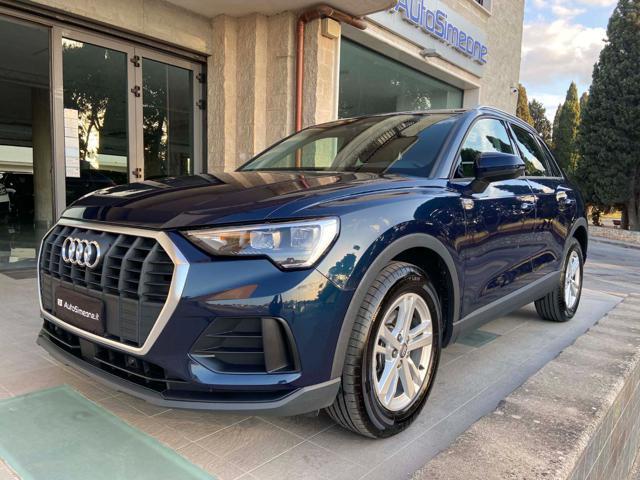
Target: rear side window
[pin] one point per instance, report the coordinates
(535, 159)
(486, 135)
(552, 166)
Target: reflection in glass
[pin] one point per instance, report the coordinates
(167, 96)
(95, 102)
(404, 144)
(372, 83)
(486, 135)
(26, 189)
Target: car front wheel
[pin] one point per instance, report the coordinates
(393, 354)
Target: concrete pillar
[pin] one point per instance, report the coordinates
(221, 95)
(281, 76)
(321, 76)
(251, 82)
(42, 155)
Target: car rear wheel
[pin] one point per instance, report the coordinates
(393, 354)
(561, 304)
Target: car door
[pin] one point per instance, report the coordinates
(497, 250)
(555, 202)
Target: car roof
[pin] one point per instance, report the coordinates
(479, 110)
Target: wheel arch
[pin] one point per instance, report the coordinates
(579, 231)
(418, 249)
(582, 236)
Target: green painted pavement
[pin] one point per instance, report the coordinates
(57, 434)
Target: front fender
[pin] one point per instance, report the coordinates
(364, 281)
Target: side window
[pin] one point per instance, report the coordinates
(486, 135)
(552, 167)
(535, 160)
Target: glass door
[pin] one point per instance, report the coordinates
(126, 114)
(170, 109)
(26, 190)
(96, 115)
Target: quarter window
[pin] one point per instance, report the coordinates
(552, 166)
(486, 135)
(536, 164)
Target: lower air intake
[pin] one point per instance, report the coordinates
(247, 345)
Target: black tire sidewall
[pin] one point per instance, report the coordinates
(385, 422)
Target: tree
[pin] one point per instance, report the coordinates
(522, 110)
(556, 121)
(610, 132)
(584, 99)
(565, 144)
(540, 121)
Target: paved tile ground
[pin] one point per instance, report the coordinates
(475, 375)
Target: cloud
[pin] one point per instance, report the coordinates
(549, 100)
(598, 3)
(566, 12)
(559, 50)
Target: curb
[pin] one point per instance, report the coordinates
(577, 418)
(617, 243)
(623, 236)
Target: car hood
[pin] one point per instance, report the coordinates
(215, 199)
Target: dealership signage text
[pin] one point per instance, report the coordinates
(435, 22)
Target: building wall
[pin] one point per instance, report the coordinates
(251, 64)
(250, 86)
(154, 18)
(502, 73)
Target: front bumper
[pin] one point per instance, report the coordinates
(210, 289)
(302, 400)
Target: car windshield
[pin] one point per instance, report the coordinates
(405, 144)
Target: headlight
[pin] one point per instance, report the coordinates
(290, 245)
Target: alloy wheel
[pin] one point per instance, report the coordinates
(402, 352)
(572, 281)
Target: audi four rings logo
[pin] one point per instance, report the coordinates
(83, 253)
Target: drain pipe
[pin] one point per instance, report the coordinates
(321, 11)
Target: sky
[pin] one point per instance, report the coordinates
(561, 42)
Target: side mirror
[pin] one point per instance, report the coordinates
(496, 166)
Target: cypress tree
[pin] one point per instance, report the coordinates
(540, 121)
(584, 99)
(610, 131)
(565, 144)
(522, 110)
(556, 121)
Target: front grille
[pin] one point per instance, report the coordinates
(133, 279)
(117, 363)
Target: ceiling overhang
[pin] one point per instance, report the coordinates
(212, 8)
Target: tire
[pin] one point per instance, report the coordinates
(358, 406)
(553, 306)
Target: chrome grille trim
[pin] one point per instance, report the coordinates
(180, 270)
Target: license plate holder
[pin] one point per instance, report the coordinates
(79, 310)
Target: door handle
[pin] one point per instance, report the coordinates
(527, 206)
(564, 200)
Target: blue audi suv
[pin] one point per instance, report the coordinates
(328, 272)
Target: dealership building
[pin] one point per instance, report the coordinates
(96, 93)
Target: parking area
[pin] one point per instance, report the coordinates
(476, 373)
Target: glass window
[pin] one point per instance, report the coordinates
(95, 117)
(372, 83)
(532, 154)
(401, 144)
(167, 119)
(26, 188)
(486, 135)
(552, 166)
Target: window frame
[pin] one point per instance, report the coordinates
(543, 146)
(457, 156)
